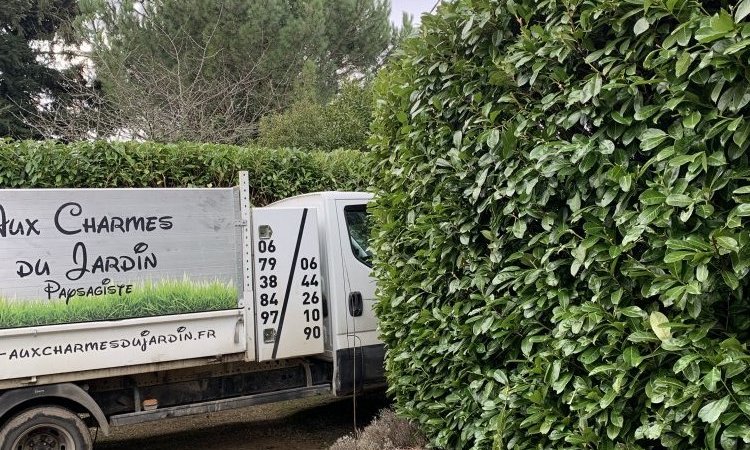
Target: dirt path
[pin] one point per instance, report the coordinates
(298, 424)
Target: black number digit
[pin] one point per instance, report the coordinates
(308, 298)
(313, 314)
(270, 262)
(305, 264)
(269, 315)
(268, 281)
(268, 246)
(265, 300)
(312, 331)
(312, 281)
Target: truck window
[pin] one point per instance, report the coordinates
(358, 226)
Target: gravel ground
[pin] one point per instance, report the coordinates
(312, 423)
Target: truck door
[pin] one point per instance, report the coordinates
(365, 353)
(286, 264)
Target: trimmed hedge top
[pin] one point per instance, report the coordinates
(274, 173)
(561, 229)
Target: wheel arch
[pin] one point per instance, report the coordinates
(67, 395)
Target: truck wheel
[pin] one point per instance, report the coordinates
(45, 428)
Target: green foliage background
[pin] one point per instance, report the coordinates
(274, 173)
(561, 241)
(309, 123)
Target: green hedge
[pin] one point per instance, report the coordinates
(562, 236)
(274, 173)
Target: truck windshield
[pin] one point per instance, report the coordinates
(358, 225)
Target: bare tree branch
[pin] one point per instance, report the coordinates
(169, 96)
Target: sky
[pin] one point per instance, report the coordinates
(413, 7)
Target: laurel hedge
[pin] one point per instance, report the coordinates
(274, 173)
(562, 239)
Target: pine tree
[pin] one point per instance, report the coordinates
(27, 28)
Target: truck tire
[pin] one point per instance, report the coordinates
(45, 427)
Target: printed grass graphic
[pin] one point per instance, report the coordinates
(165, 297)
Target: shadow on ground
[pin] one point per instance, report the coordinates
(297, 424)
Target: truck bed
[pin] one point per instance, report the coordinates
(79, 351)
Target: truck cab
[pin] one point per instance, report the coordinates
(348, 287)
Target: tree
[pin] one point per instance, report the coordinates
(208, 71)
(311, 123)
(29, 29)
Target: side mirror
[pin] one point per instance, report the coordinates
(355, 304)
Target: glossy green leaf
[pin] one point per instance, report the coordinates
(682, 64)
(742, 10)
(646, 112)
(652, 142)
(659, 326)
(632, 356)
(728, 243)
(680, 200)
(493, 138)
(711, 379)
(640, 26)
(711, 412)
(692, 120)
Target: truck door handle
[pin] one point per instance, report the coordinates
(355, 303)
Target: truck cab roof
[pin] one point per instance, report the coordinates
(315, 198)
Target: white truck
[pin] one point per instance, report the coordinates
(120, 306)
